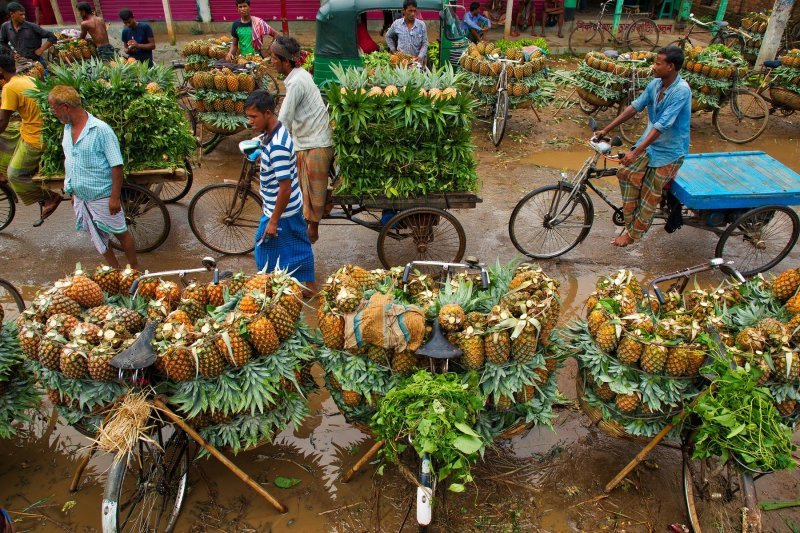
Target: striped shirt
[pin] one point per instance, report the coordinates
(278, 163)
(413, 42)
(89, 161)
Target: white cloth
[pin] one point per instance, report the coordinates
(304, 112)
(94, 217)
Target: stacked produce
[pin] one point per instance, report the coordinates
(524, 77)
(709, 71)
(602, 80)
(639, 362)
(401, 132)
(74, 50)
(201, 54)
(784, 86)
(18, 394)
(219, 98)
(755, 24)
(138, 102)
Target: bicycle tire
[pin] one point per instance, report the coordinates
(148, 456)
(581, 201)
(643, 27)
(174, 191)
(417, 230)
(11, 301)
(8, 205)
(139, 202)
(742, 118)
(213, 208)
(500, 117)
(594, 41)
(757, 228)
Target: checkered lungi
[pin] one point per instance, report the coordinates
(313, 167)
(641, 187)
(19, 162)
(290, 250)
(94, 217)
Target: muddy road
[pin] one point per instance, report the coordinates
(542, 481)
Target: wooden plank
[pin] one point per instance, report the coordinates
(457, 200)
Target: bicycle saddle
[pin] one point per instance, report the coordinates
(140, 354)
(772, 64)
(611, 54)
(720, 23)
(248, 146)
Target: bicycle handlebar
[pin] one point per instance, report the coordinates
(714, 264)
(470, 263)
(209, 265)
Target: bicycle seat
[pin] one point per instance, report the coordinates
(140, 354)
(611, 54)
(248, 146)
(772, 63)
(720, 23)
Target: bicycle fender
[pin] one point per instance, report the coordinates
(109, 516)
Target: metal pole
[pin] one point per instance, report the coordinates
(509, 14)
(781, 12)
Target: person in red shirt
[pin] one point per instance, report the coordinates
(365, 42)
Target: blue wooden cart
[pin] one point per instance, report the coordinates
(743, 197)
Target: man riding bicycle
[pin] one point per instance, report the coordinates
(658, 154)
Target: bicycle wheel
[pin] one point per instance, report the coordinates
(225, 218)
(500, 117)
(8, 207)
(172, 191)
(759, 239)
(582, 38)
(421, 234)
(548, 223)
(146, 216)
(742, 118)
(734, 41)
(145, 491)
(642, 34)
(11, 301)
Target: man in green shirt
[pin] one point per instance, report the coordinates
(248, 33)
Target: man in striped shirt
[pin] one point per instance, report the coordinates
(281, 238)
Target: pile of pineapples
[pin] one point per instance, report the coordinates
(74, 50)
(503, 332)
(222, 90)
(601, 79)
(18, 393)
(200, 54)
(523, 77)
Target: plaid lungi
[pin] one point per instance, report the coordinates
(313, 167)
(93, 217)
(641, 187)
(290, 250)
(19, 162)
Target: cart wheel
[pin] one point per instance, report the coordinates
(11, 301)
(759, 239)
(742, 118)
(225, 218)
(421, 234)
(145, 492)
(500, 118)
(8, 206)
(172, 191)
(550, 221)
(146, 216)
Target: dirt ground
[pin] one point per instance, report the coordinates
(545, 480)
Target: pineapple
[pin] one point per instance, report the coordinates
(528, 68)
(217, 418)
(785, 285)
(786, 407)
(607, 337)
(98, 363)
(73, 362)
(348, 298)
(61, 323)
(471, 344)
(228, 105)
(215, 293)
(378, 354)
(282, 321)
(793, 328)
(262, 336)
(629, 350)
(525, 395)
(404, 362)
(50, 349)
(603, 392)
(787, 366)
(627, 403)
(260, 282)
(523, 347)
(210, 363)
(519, 71)
(497, 347)
(126, 279)
(220, 82)
(84, 291)
(107, 278)
(234, 348)
(169, 292)
(241, 82)
(332, 327)
(677, 360)
(56, 302)
(653, 358)
(751, 340)
(451, 317)
(85, 331)
(178, 363)
(239, 107)
(502, 402)
(773, 329)
(793, 304)
(195, 291)
(351, 398)
(696, 356)
(251, 303)
(232, 81)
(29, 337)
(484, 69)
(596, 318)
(192, 308)
(147, 288)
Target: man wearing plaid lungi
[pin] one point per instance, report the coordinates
(658, 154)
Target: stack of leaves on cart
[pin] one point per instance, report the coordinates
(784, 86)
(138, 102)
(18, 394)
(639, 362)
(601, 80)
(755, 25)
(709, 71)
(525, 78)
(219, 98)
(503, 333)
(71, 332)
(236, 357)
(402, 132)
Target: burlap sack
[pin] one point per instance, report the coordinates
(384, 323)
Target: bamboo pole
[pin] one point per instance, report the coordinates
(361, 462)
(57, 12)
(161, 406)
(168, 20)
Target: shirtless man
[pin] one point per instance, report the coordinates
(96, 28)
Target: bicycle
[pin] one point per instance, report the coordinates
(641, 32)
(765, 80)
(742, 114)
(500, 110)
(720, 30)
(11, 301)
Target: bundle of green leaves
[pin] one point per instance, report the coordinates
(152, 129)
(739, 420)
(19, 395)
(438, 412)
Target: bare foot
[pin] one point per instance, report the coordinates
(623, 240)
(50, 206)
(313, 233)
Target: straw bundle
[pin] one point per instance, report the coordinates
(129, 423)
